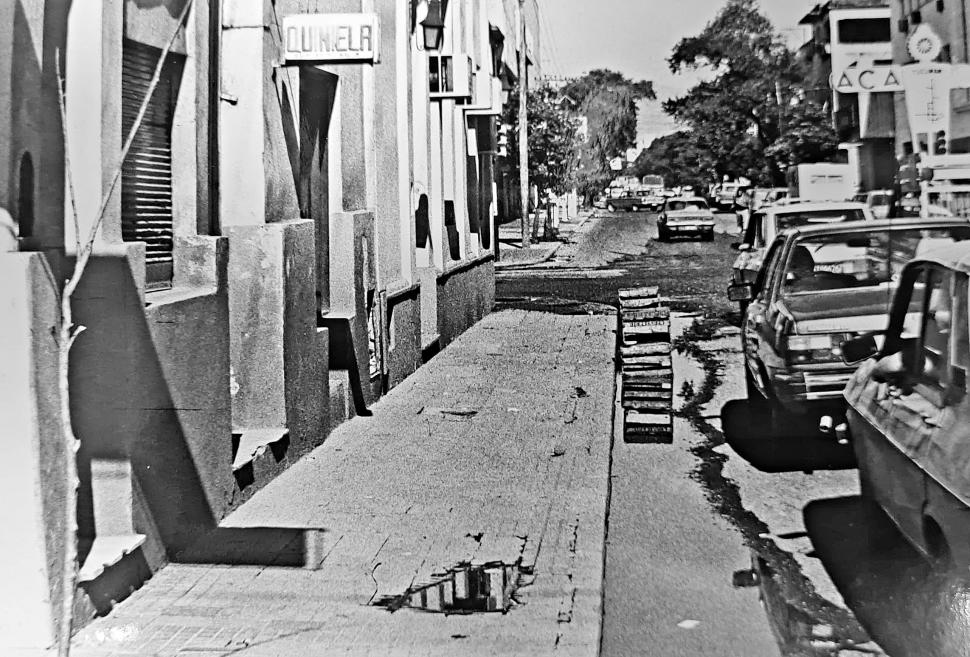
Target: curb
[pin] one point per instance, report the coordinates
(545, 257)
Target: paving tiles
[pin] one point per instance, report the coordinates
(402, 495)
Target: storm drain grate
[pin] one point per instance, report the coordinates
(465, 589)
(646, 370)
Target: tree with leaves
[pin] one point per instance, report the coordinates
(552, 131)
(678, 158)
(608, 102)
(552, 138)
(751, 114)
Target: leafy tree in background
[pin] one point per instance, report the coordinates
(608, 102)
(552, 138)
(750, 115)
(808, 136)
(678, 158)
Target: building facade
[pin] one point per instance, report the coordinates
(849, 38)
(306, 213)
(899, 77)
(950, 21)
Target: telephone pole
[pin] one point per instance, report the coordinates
(523, 129)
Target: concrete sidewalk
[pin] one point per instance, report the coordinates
(497, 450)
(512, 255)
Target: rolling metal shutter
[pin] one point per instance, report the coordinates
(146, 178)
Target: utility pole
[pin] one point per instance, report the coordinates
(523, 130)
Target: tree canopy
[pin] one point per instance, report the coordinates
(552, 138)
(608, 102)
(750, 115)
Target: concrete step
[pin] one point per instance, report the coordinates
(252, 443)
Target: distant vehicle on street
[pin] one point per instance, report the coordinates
(725, 195)
(820, 286)
(626, 201)
(768, 195)
(822, 181)
(878, 200)
(768, 221)
(652, 200)
(685, 216)
(600, 201)
(908, 408)
(756, 198)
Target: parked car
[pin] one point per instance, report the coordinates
(768, 221)
(652, 200)
(626, 201)
(685, 215)
(820, 286)
(725, 196)
(878, 200)
(600, 202)
(908, 408)
(758, 198)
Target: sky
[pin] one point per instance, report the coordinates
(635, 37)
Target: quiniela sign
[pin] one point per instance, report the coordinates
(330, 37)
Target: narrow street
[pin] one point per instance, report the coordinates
(708, 552)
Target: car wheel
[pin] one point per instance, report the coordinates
(611, 207)
(709, 236)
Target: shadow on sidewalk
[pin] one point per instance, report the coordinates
(909, 608)
(258, 546)
(748, 435)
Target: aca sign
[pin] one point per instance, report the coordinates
(868, 79)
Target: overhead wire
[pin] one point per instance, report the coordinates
(548, 38)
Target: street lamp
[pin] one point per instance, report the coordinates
(430, 15)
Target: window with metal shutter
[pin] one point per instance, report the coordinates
(146, 179)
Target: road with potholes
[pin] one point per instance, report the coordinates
(728, 541)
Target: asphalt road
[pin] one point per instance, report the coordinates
(730, 542)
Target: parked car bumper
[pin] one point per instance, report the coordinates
(690, 228)
(810, 390)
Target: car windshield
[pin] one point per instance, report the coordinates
(807, 217)
(693, 204)
(838, 261)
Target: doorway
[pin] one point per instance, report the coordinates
(318, 89)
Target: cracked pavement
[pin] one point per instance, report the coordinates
(496, 451)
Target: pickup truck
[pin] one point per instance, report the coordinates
(627, 201)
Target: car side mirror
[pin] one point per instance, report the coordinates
(858, 349)
(741, 292)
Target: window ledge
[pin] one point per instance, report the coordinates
(464, 265)
(178, 294)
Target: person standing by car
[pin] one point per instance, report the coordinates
(746, 204)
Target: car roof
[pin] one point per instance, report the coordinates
(793, 205)
(686, 198)
(953, 256)
(872, 226)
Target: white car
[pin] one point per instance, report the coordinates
(685, 215)
(768, 221)
(880, 200)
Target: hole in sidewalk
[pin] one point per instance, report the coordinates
(465, 589)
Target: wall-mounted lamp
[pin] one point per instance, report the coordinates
(430, 16)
